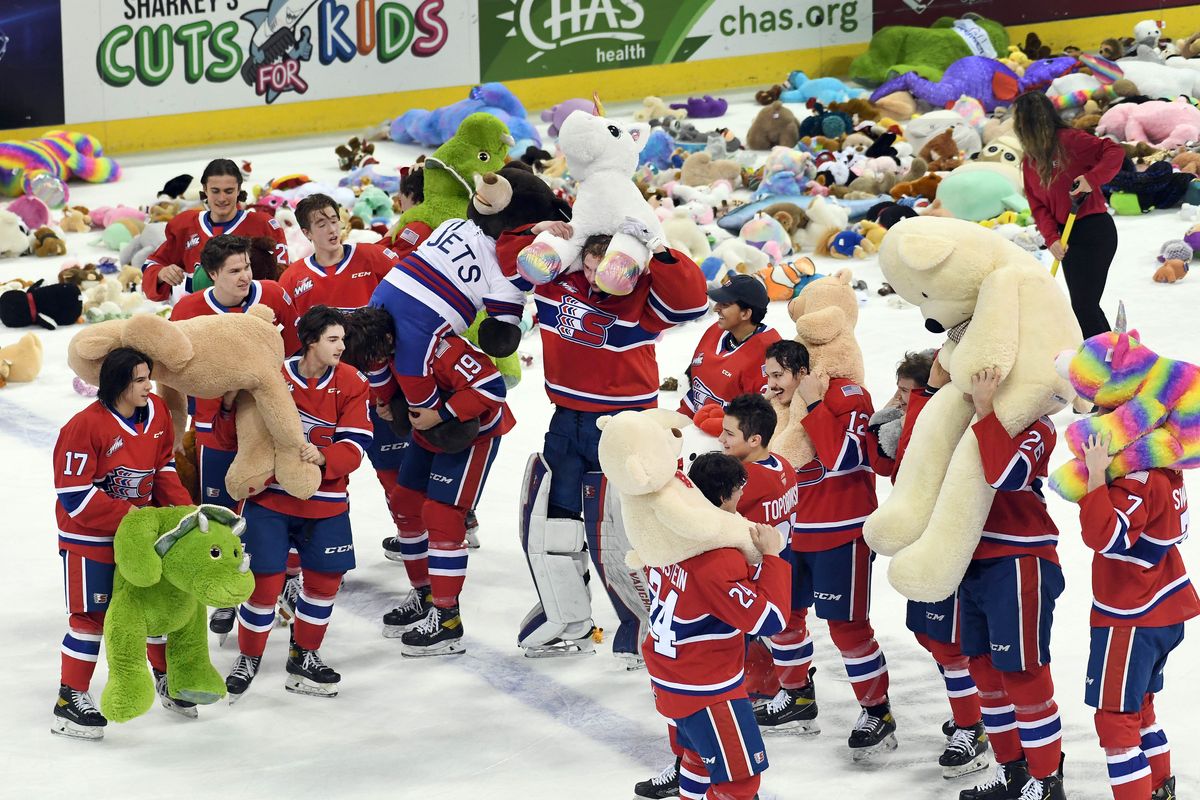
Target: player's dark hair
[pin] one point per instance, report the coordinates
(717, 476)
(221, 247)
(791, 355)
(754, 415)
(596, 245)
(310, 205)
(413, 184)
(757, 315)
(915, 367)
(116, 373)
(370, 338)
(219, 167)
(312, 325)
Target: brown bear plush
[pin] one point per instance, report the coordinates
(773, 126)
(207, 357)
(699, 169)
(47, 243)
(941, 152)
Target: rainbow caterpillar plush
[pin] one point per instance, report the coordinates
(1155, 421)
(60, 155)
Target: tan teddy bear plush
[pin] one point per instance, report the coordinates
(699, 169)
(207, 357)
(23, 358)
(825, 313)
(1000, 309)
(774, 125)
(667, 519)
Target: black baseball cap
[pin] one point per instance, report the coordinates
(744, 290)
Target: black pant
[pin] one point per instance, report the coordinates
(1090, 252)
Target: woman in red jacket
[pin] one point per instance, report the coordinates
(1061, 162)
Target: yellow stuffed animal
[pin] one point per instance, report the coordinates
(22, 360)
(1001, 310)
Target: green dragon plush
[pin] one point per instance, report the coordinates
(171, 563)
(897, 49)
(477, 148)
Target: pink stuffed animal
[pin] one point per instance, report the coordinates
(1158, 122)
(32, 211)
(104, 216)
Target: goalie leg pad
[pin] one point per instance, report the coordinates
(608, 544)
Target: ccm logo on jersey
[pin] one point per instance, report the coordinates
(360, 274)
(344, 548)
(581, 323)
(827, 596)
(440, 478)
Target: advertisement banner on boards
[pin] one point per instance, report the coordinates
(133, 58)
(921, 13)
(31, 64)
(533, 38)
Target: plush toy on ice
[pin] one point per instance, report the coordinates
(1152, 404)
(171, 564)
(602, 154)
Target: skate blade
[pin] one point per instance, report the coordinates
(234, 697)
(631, 662)
(980, 764)
(394, 557)
(472, 541)
(71, 730)
(444, 649)
(299, 685)
(562, 649)
(863, 755)
(800, 727)
(396, 631)
(221, 637)
(188, 712)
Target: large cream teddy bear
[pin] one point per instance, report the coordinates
(207, 357)
(667, 519)
(1000, 309)
(602, 154)
(825, 313)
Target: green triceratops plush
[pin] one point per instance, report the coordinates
(478, 147)
(171, 564)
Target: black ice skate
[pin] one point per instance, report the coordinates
(439, 634)
(664, 784)
(1006, 784)
(411, 611)
(244, 670)
(948, 728)
(76, 715)
(391, 549)
(874, 733)
(220, 622)
(183, 708)
(472, 531)
(308, 674)
(286, 607)
(966, 752)
(1045, 789)
(792, 711)
(1166, 791)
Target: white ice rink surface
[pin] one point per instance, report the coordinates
(491, 723)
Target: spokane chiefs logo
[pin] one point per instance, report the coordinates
(316, 430)
(124, 483)
(581, 323)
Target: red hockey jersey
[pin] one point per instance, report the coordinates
(469, 384)
(347, 284)
(701, 610)
(104, 467)
(770, 494)
(1018, 523)
(201, 304)
(333, 413)
(1138, 576)
(598, 349)
(407, 238)
(722, 368)
(837, 488)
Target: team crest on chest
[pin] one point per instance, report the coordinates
(581, 323)
(124, 483)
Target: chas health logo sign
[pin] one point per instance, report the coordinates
(231, 53)
(531, 38)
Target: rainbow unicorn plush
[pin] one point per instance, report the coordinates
(42, 167)
(1155, 402)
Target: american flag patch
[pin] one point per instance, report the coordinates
(852, 389)
(409, 235)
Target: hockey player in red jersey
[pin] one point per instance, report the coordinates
(935, 625)
(832, 562)
(337, 275)
(167, 273)
(729, 358)
(701, 611)
(1142, 597)
(332, 400)
(112, 457)
(769, 495)
(1006, 602)
(599, 358)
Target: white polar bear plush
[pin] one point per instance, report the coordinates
(602, 155)
(1001, 310)
(667, 519)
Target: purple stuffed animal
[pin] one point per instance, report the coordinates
(985, 79)
(555, 115)
(705, 107)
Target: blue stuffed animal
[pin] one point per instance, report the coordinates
(435, 128)
(801, 89)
